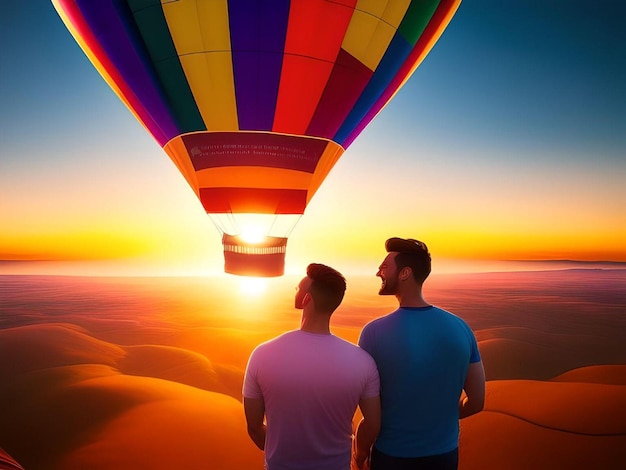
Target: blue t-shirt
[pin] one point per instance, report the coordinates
(422, 355)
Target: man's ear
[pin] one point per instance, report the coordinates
(306, 299)
(405, 273)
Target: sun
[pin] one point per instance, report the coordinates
(252, 286)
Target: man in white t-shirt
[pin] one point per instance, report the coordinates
(302, 388)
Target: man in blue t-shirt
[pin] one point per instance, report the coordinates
(431, 374)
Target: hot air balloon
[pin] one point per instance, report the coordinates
(255, 100)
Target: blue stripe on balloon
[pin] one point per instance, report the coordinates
(258, 33)
(396, 54)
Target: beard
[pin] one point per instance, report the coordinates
(389, 286)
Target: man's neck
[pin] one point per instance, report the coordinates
(412, 299)
(315, 323)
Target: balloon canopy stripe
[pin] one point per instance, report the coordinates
(127, 56)
(346, 83)
(269, 150)
(355, 122)
(204, 50)
(258, 41)
(309, 58)
(253, 200)
(164, 64)
(369, 104)
(419, 14)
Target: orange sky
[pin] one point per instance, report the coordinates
(479, 170)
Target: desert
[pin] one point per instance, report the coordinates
(146, 373)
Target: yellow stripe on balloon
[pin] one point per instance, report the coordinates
(372, 28)
(205, 54)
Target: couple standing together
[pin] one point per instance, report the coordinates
(416, 372)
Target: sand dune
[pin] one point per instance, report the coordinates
(189, 429)
(87, 416)
(169, 363)
(498, 441)
(547, 425)
(111, 374)
(81, 399)
(610, 375)
(182, 366)
(584, 408)
(515, 352)
(222, 345)
(47, 345)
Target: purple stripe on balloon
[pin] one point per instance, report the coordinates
(117, 36)
(258, 33)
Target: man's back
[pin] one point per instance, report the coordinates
(423, 355)
(311, 385)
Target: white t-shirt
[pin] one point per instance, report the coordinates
(311, 385)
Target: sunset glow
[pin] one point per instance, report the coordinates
(253, 286)
(485, 169)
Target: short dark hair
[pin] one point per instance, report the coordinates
(411, 253)
(327, 288)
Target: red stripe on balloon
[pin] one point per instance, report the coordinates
(253, 200)
(348, 79)
(314, 37)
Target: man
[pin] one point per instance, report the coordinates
(307, 384)
(427, 358)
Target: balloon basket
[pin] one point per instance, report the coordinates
(263, 259)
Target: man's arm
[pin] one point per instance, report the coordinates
(474, 388)
(367, 429)
(254, 409)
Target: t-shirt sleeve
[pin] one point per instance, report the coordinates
(475, 354)
(251, 388)
(372, 384)
(364, 340)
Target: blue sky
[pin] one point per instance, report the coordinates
(512, 131)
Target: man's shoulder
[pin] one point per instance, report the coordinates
(274, 343)
(377, 322)
(454, 317)
(346, 345)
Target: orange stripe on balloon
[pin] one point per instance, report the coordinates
(253, 177)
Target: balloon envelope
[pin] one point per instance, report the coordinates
(255, 100)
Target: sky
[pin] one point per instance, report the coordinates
(508, 143)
